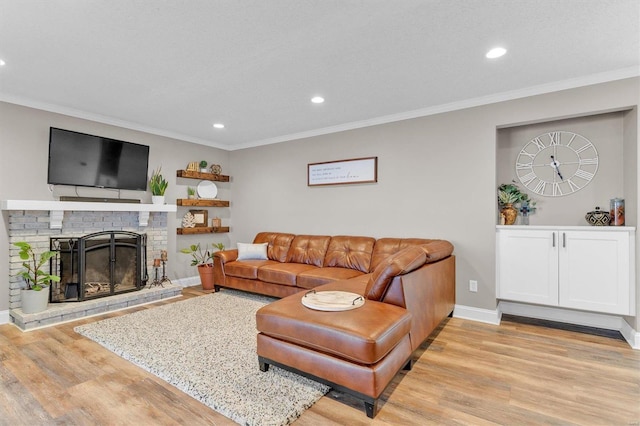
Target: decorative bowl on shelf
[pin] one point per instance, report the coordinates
(598, 217)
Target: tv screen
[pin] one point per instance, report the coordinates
(85, 160)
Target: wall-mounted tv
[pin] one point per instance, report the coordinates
(86, 160)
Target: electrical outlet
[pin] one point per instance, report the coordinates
(473, 286)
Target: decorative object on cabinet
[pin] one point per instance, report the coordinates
(616, 211)
(525, 210)
(207, 189)
(598, 217)
(557, 163)
(200, 217)
(203, 166)
(191, 192)
(215, 169)
(158, 186)
(188, 221)
(508, 195)
(193, 166)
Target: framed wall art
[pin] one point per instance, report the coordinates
(357, 170)
(199, 217)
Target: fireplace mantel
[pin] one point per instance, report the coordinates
(57, 208)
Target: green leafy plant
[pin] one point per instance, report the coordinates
(509, 193)
(191, 191)
(201, 255)
(203, 164)
(157, 183)
(35, 277)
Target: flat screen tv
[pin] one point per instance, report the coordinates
(85, 160)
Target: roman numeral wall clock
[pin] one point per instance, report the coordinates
(557, 163)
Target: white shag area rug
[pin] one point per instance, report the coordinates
(206, 347)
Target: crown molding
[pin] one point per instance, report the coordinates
(592, 79)
(573, 83)
(103, 119)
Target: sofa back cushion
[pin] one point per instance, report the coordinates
(308, 249)
(350, 252)
(386, 247)
(402, 262)
(279, 244)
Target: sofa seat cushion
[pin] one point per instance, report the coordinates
(245, 268)
(283, 273)
(363, 335)
(315, 277)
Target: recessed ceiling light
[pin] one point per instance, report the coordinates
(317, 99)
(218, 125)
(496, 52)
(2, 63)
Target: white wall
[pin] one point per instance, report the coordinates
(436, 179)
(24, 141)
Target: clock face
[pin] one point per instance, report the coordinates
(557, 163)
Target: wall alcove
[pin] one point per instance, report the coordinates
(614, 134)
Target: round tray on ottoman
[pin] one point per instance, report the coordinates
(332, 300)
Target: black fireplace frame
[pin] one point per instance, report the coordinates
(77, 249)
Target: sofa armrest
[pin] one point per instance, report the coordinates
(437, 250)
(226, 256)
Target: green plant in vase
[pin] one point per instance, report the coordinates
(33, 274)
(157, 183)
(35, 297)
(191, 192)
(508, 195)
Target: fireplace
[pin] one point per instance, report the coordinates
(98, 265)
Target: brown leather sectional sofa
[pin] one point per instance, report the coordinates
(408, 285)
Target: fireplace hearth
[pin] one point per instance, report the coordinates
(98, 265)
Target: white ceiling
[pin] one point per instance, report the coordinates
(175, 67)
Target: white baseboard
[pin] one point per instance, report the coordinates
(631, 336)
(187, 281)
(4, 317)
(477, 314)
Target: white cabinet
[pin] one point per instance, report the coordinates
(587, 268)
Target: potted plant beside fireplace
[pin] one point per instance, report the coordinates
(36, 296)
(202, 257)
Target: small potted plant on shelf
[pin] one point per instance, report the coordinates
(508, 195)
(202, 257)
(36, 296)
(158, 186)
(203, 166)
(191, 192)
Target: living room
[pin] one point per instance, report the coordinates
(437, 174)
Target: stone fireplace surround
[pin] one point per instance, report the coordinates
(36, 221)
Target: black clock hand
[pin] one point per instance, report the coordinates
(555, 165)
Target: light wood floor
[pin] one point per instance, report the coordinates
(469, 373)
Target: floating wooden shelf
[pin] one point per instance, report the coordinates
(202, 230)
(201, 202)
(189, 174)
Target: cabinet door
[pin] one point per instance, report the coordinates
(594, 271)
(528, 266)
